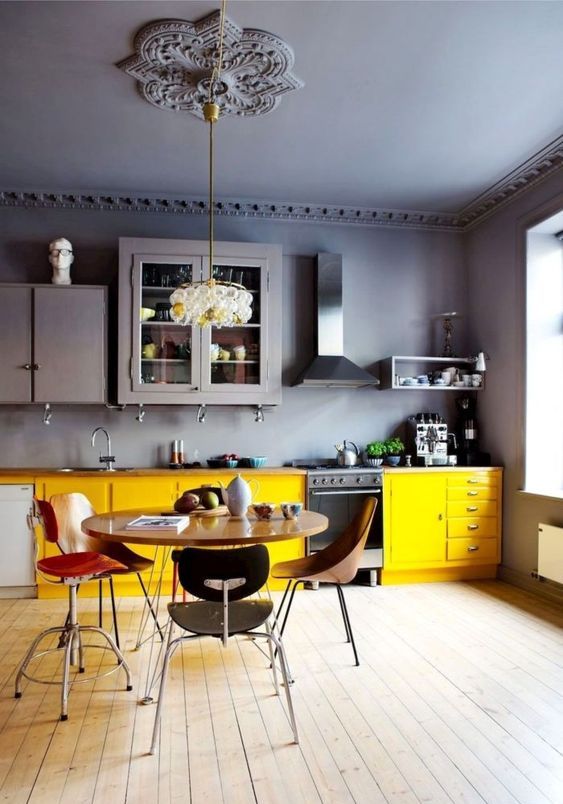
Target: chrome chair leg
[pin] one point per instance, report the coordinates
(272, 659)
(170, 648)
(285, 675)
(347, 622)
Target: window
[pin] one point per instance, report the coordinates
(544, 357)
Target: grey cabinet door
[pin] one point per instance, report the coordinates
(15, 354)
(70, 344)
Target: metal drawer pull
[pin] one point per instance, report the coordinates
(472, 548)
(472, 508)
(473, 480)
(473, 527)
(472, 493)
(27, 366)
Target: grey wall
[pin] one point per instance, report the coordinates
(393, 282)
(495, 264)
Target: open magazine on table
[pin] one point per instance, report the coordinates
(173, 523)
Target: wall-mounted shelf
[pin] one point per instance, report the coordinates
(395, 369)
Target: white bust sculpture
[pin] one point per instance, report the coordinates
(61, 258)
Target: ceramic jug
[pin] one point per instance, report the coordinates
(238, 496)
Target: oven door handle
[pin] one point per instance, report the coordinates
(342, 492)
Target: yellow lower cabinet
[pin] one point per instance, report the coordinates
(118, 493)
(474, 520)
(441, 525)
(414, 525)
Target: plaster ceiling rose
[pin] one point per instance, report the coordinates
(173, 61)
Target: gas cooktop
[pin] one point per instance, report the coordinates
(328, 465)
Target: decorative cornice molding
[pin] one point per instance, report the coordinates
(271, 210)
(541, 166)
(534, 170)
(174, 59)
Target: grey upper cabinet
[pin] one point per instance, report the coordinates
(160, 362)
(55, 344)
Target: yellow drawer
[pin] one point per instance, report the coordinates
(472, 493)
(475, 549)
(469, 507)
(468, 526)
(472, 479)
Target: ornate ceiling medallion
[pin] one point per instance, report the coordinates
(174, 59)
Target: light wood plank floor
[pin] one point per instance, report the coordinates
(459, 698)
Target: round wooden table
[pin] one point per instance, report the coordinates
(206, 531)
(202, 531)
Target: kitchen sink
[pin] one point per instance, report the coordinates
(94, 469)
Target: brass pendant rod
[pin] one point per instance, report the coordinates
(211, 199)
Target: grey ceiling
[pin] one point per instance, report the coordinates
(406, 105)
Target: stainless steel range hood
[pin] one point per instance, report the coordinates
(329, 368)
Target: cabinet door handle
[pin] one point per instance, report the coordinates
(472, 548)
(473, 527)
(473, 480)
(36, 366)
(440, 517)
(27, 366)
(472, 493)
(471, 508)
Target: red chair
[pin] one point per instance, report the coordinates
(70, 510)
(71, 569)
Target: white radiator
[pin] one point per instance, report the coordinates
(550, 552)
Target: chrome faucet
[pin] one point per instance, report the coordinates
(109, 458)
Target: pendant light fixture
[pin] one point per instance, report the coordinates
(211, 302)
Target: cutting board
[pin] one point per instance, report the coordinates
(221, 510)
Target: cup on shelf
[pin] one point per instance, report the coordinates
(224, 354)
(239, 352)
(214, 351)
(466, 378)
(476, 380)
(149, 351)
(446, 377)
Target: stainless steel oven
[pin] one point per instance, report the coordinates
(338, 492)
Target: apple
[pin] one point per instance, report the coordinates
(209, 500)
(186, 503)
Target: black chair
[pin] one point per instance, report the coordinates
(223, 580)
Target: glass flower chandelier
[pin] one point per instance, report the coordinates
(211, 302)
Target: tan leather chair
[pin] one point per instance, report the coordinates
(70, 510)
(337, 564)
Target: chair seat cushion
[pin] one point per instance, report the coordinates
(206, 617)
(77, 565)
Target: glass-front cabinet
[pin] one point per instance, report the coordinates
(163, 362)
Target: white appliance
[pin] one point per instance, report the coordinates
(17, 564)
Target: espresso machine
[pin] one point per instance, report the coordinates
(469, 453)
(428, 439)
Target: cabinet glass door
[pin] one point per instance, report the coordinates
(166, 355)
(234, 358)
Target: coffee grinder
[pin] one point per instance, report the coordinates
(469, 453)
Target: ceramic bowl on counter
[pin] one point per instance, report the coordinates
(222, 463)
(254, 462)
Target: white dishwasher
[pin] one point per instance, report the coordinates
(17, 561)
